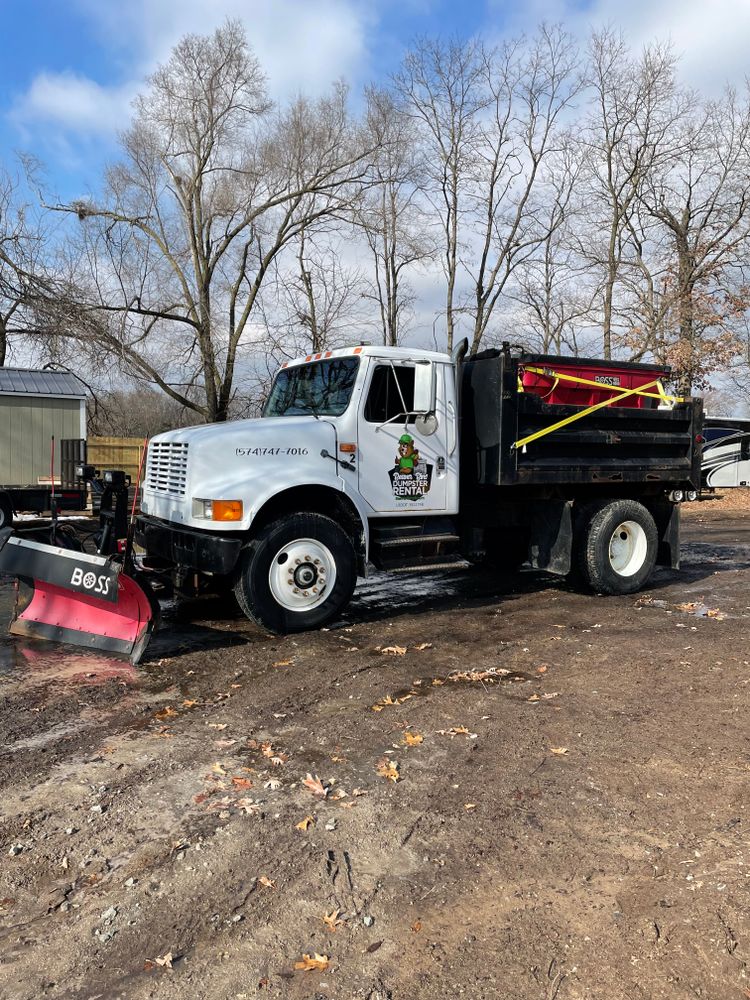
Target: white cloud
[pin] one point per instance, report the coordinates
(72, 102)
(709, 37)
(303, 47)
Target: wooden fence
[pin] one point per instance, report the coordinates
(116, 453)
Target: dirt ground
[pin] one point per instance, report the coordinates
(569, 821)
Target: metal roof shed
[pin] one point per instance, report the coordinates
(34, 407)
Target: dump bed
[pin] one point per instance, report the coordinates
(507, 416)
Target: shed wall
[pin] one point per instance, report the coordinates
(27, 423)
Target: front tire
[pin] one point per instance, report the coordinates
(298, 574)
(618, 547)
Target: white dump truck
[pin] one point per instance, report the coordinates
(408, 460)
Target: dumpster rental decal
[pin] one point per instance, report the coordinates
(410, 476)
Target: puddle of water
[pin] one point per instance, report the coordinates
(696, 608)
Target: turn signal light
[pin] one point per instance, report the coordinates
(227, 510)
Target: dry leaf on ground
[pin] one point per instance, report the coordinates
(332, 920)
(241, 782)
(283, 663)
(269, 883)
(393, 650)
(423, 645)
(413, 739)
(165, 961)
(166, 713)
(388, 769)
(559, 751)
(272, 784)
(312, 963)
(315, 785)
(306, 823)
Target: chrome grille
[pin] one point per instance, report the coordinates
(166, 469)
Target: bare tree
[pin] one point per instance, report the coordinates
(315, 297)
(213, 185)
(391, 213)
(700, 196)
(529, 86)
(628, 127)
(441, 86)
(553, 286)
(23, 249)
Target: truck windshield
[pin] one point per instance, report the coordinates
(323, 388)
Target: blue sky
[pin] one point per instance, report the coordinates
(71, 67)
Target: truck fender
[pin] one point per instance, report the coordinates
(332, 484)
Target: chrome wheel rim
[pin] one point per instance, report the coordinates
(628, 547)
(302, 574)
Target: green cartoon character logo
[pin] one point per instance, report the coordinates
(410, 476)
(408, 456)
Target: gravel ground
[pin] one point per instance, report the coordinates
(471, 787)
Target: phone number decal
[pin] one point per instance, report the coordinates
(247, 452)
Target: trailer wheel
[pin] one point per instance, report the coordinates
(618, 547)
(6, 513)
(298, 574)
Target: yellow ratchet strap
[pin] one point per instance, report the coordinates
(659, 394)
(583, 413)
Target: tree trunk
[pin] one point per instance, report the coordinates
(686, 314)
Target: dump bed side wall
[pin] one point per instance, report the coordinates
(657, 448)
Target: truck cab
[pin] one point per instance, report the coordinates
(349, 440)
(409, 459)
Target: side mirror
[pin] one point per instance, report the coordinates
(424, 387)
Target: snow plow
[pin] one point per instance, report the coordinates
(95, 600)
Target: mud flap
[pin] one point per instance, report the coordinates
(81, 599)
(551, 542)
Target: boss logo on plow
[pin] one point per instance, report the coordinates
(90, 581)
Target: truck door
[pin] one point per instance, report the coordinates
(402, 462)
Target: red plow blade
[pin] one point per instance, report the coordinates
(79, 599)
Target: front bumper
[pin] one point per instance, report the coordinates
(202, 551)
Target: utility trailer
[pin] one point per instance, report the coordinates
(726, 453)
(68, 494)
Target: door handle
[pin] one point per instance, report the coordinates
(441, 464)
(452, 429)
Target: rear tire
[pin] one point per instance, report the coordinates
(618, 547)
(298, 574)
(6, 513)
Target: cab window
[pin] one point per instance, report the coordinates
(384, 400)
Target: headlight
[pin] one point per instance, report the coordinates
(676, 496)
(217, 510)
